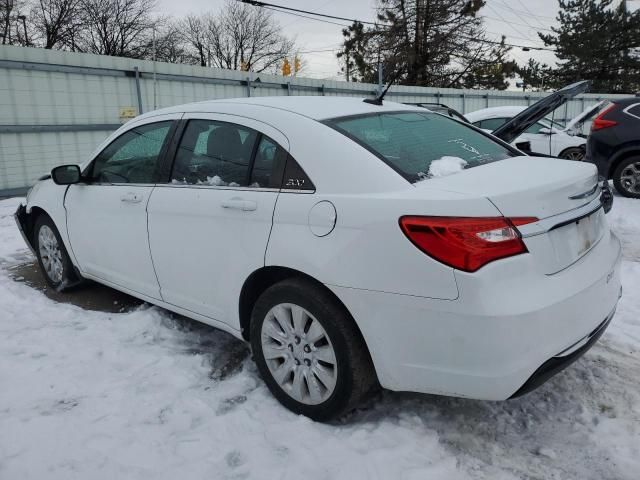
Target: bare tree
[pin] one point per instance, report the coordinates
(121, 28)
(55, 20)
(169, 46)
(246, 37)
(12, 22)
(194, 34)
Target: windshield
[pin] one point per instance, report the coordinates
(417, 144)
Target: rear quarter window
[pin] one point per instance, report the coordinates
(411, 141)
(634, 111)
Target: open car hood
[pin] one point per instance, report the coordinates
(518, 124)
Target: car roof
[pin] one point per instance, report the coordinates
(494, 112)
(315, 107)
(626, 101)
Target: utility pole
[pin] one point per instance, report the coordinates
(348, 67)
(24, 27)
(154, 69)
(625, 51)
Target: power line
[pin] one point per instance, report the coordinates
(531, 13)
(296, 14)
(527, 13)
(503, 19)
(515, 23)
(265, 4)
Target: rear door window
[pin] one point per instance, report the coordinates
(268, 164)
(411, 141)
(214, 153)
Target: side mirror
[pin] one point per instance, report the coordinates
(546, 131)
(66, 174)
(524, 147)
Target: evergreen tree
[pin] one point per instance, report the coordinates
(438, 43)
(597, 40)
(492, 74)
(536, 76)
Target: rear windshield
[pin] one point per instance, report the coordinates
(421, 145)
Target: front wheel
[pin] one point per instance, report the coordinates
(626, 177)
(309, 351)
(573, 153)
(52, 256)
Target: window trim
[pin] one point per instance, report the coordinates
(332, 123)
(88, 170)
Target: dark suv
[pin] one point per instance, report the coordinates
(614, 145)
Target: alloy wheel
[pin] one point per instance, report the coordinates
(630, 178)
(576, 155)
(50, 254)
(299, 354)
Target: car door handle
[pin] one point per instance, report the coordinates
(131, 198)
(240, 204)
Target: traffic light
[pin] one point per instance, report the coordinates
(296, 64)
(286, 68)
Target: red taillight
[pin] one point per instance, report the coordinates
(466, 243)
(599, 123)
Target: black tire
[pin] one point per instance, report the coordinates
(573, 153)
(626, 190)
(68, 276)
(355, 373)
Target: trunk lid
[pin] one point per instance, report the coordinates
(518, 124)
(563, 195)
(526, 186)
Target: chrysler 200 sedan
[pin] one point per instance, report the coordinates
(352, 244)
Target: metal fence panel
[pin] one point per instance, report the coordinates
(55, 106)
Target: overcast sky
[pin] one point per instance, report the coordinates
(519, 20)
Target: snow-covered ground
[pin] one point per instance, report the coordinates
(145, 394)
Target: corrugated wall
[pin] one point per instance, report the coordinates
(55, 107)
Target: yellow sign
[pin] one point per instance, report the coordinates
(127, 113)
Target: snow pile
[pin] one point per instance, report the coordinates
(445, 166)
(146, 394)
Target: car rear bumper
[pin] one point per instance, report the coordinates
(561, 361)
(510, 330)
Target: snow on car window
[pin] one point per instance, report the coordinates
(412, 141)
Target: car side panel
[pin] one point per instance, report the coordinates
(367, 248)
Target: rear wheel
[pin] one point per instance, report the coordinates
(573, 153)
(52, 256)
(626, 177)
(308, 350)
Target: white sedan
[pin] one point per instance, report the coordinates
(353, 245)
(544, 136)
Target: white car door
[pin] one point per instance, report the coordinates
(106, 215)
(209, 227)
